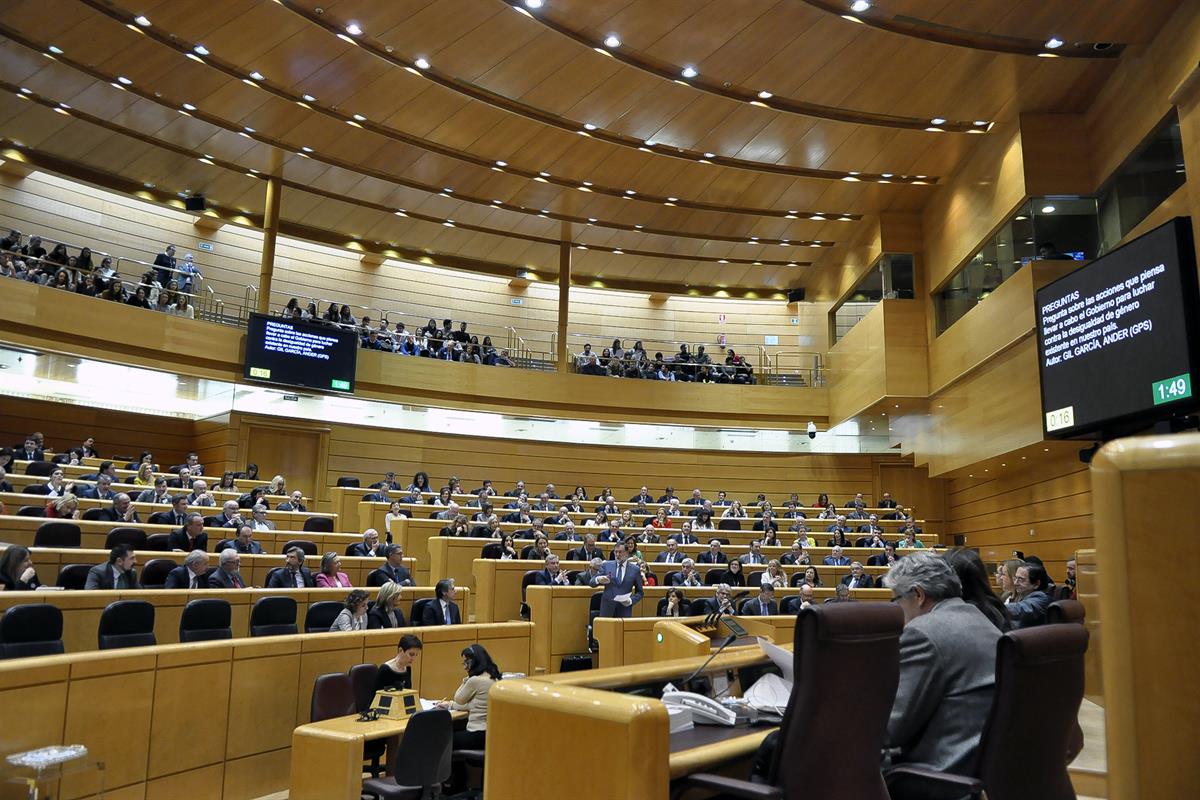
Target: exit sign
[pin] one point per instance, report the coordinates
(516, 301)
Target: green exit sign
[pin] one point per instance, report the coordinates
(340, 385)
(1172, 389)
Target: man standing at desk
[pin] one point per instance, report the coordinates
(622, 584)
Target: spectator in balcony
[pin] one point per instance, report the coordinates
(181, 307)
(372, 341)
(62, 280)
(503, 360)
(34, 249)
(742, 373)
(12, 241)
(57, 256)
(188, 273)
(139, 299)
(663, 372)
(587, 362)
(165, 264)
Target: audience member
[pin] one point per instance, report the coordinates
(385, 611)
(836, 558)
(552, 574)
(443, 610)
(331, 576)
(857, 579)
(396, 672)
(975, 587)
(354, 616)
(117, 573)
(714, 554)
(191, 574)
(293, 574)
(589, 573)
(735, 573)
(675, 603)
(245, 544)
(16, 570)
(191, 536)
(1032, 599)
(227, 575)
(369, 547)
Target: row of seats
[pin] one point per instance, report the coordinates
(60, 533)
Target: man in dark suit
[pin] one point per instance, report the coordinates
(393, 570)
(102, 490)
(568, 533)
(887, 501)
(29, 451)
(668, 496)
(157, 494)
(176, 517)
(294, 503)
(123, 510)
(858, 503)
(697, 499)
(443, 610)
(685, 535)
(388, 484)
(552, 574)
(687, 575)
(642, 497)
(622, 582)
(191, 536)
(118, 573)
(191, 574)
(369, 546)
(183, 481)
(714, 554)
(293, 574)
(857, 579)
(884, 559)
(518, 491)
(722, 500)
(245, 544)
(588, 551)
(1030, 585)
(836, 558)
(228, 573)
(165, 265)
(764, 605)
(672, 555)
(230, 517)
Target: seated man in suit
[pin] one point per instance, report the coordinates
(767, 520)
(191, 463)
(228, 572)
(230, 517)
(388, 484)
(642, 497)
(622, 584)
(175, 516)
(123, 510)
(157, 494)
(586, 575)
(293, 503)
(245, 544)
(568, 533)
(857, 579)
(293, 574)
(369, 546)
(672, 555)
(258, 519)
(764, 605)
(884, 559)
(552, 574)
(200, 495)
(755, 556)
(118, 573)
(520, 516)
(102, 490)
(393, 569)
(191, 574)
(685, 535)
(872, 535)
(543, 505)
(714, 554)
(5, 486)
(795, 555)
(858, 503)
(184, 481)
(647, 536)
(1032, 599)
(697, 499)
(687, 575)
(517, 491)
(29, 451)
(536, 528)
(668, 495)
(191, 536)
(443, 610)
(836, 559)
(588, 551)
(887, 501)
(947, 668)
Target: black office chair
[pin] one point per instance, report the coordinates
(714, 575)
(318, 524)
(205, 620)
(754, 578)
(309, 548)
(320, 615)
(593, 612)
(160, 542)
(36, 488)
(377, 577)
(332, 696)
(684, 609)
(527, 580)
(701, 606)
(669, 578)
(31, 511)
(73, 576)
(224, 544)
(362, 682)
(99, 515)
(492, 550)
(790, 605)
(133, 537)
(29, 630)
(40, 469)
(729, 524)
(348, 480)
(161, 518)
(418, 609)
(273, 616)
(154, 574)
(57, 533)
(127, 623)
(422, 761)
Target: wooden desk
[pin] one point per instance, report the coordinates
(327, 756)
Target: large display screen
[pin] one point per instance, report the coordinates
(293, 353)
(1117, 338)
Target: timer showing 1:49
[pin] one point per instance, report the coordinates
(1172, 389)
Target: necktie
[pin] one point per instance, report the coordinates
(237, 581)
(193, 583)
(764, 609)
(447, 610)
(620, 574)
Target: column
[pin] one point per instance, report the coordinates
(564, 295)
(266, 269)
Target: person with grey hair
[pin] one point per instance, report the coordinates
(228, 573)
(947, 668)
(191, 536)
(191, 574)
(123, 510)
(258, 520)
(585, 576)
(369, 546)
(688, 576)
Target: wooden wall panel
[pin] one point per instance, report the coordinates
(294, 449)
(884, 355)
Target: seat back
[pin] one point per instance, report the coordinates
(754, 578)
(362, 680)
(669, 578)
(57, 533)
(99, 515)
(332, 696)
(309, 548)
(701, 606)
(714, 575)
(418, 610)
(1061, 611)
(41, 469)
(73, 576)
(160, 518)
(348, 480)
(790, 605)
(495, 550)
(273, 616)
(31, 511)
(224, 544)
(131, 536)
(423, 757)
(729, 524)
(377, 577)
(1039, 687)
(154, 574)
(852, 645)
(127, 623)
(527, 580)
(320, 616)
(29, 630)
(160, 542)
(318, 524)
(204, 620)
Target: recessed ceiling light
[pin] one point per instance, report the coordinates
(618, 253)
(589, 126)
(722, 261)
(592, 220)
(360, 118)
(612, 40)
(449, 223)
(55, 49)
(501, 163)
(201, 50)
(497, 202)
(581, 247)
(859, 6)
(710, 155)
(672, 199)
(142, 20)
(399, 212)
(851, 178)
(447, 190)
(689, 71)
(587, 183)
(1047, 209)
(308, 98)
(353, 29)
(817, 218)
(938, 121)
(981, 123)
(639, 227)
(306, 149)
(1020, 217)
(422, 63)
(248, 129)
(630, 192)
(544, 174)
(1053, 43)
(533, 4)
(124, 81)
(25, 90)
(765, 95)
(256, 75)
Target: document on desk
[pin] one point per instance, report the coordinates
(770, 693)
(780, 657)
(428, 705)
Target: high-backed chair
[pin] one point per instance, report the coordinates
(729, 524)
(593, 612)
(418, 609)
(154, 573)
(318, 524)
(527, 580)
(160, 542)
(362, 681)
(790, 605)
(422, 761)
(273, 616)
(493, 550)
(127, 623)
(31, 511)
(309, 548)
(205, 619)
(1061, 611)
(31, 630)
(57, 533)
(40, 469)
(714, 576)
(133, 537)
(348, 480)
(161, 518)
(320, 615)
(73, 576)
(99, 515)
(1039, 686)
(701, 606)
(851, 645)
(332, 696)
(754, 579)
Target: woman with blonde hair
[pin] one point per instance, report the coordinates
(774, 575)
(65, 507)
(278, 486)
(1006, 573)
(386, 612)
(145, 475)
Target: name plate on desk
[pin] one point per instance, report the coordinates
(396, 703)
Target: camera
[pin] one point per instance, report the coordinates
(812, 430)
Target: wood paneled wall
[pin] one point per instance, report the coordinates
(1044, 509)
(66, 210)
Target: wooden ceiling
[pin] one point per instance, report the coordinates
(505, 122)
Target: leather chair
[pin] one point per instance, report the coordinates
(40, 469)
(273, 616)
(154, 573)
(754, 579)
(35, 488)
(31, 511)
(362, 682)
(57, 533)
(133, 537)
(320, 615)
(422, 761)
(527, 580)
(714, 575)
(318, 524)
(348, 480)
(850, 645)
(1065, 611)
(73, 576)
(1039, 687)
(204, 620)
(99, 515)
(161, 518)
(332, 696)
(160, 542)
(127, 623)
(798, 577)
(224, 544)
(684, 611)
(668, 579)
(593, 612)
(492, 550)
(31, 630)
(309, 548)
(701, 606)
(418, 610)
(790, 605)
(729, 524)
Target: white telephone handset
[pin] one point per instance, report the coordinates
(704, 710)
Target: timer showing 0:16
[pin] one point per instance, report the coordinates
(1172, 389)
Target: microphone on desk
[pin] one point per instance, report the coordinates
(728, 641)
